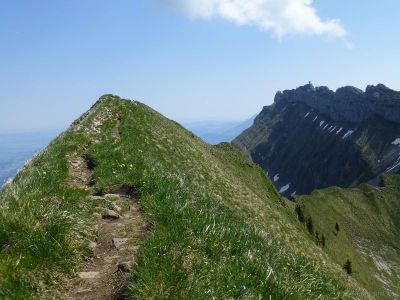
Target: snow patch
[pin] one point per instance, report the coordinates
(381, 279)
(333, 129)
(321, 123)
(347, 134)
(325, 126)
(339, 131)
(392, 168)
(395, 165)
(284, 188)
(381, 264)
(396, 142)
(307, 114)
(315, 118)
(293, 194)
(276, 177)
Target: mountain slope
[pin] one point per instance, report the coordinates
(314, 138)
(217, 228)
(369, 230)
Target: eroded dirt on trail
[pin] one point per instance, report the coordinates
(80, 171)
(120, 228)
(120, 231)
(116, 130)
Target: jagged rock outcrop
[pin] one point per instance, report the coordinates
(312, 137)
(347, 103)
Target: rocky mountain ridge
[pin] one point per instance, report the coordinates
(347, 103)
(312, 137)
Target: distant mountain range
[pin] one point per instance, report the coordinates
(215, 132)
(312, 137)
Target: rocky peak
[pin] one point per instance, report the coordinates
(371, 89)
(347, 103)
(349, 92)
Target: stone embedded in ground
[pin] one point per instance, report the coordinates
(112, 197)
(119, 242)
(96, 215)
(116, 207)
(84, 291)
(75, 163)
(110, 214)
(110, 259)
(92, 245)
(88, 275)
(96, 198)
(125, 266)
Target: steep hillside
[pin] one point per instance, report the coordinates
(314, 138)
(367, 231)
(125, 187)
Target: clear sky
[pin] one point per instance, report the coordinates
(188, 59)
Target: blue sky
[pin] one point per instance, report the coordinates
(58, 57)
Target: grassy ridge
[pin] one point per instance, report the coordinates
(42, 223)
(218, 227)
(369, 228)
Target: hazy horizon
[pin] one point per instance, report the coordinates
(186, 59)
(18, 147)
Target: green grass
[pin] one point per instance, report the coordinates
(42, 223)
(218, 228)
(368, 219)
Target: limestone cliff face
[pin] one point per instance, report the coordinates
(347, 103)
(312, 137)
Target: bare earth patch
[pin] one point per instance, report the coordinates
(80, 172)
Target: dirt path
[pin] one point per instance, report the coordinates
(116, 130)
(120, 229)
(80, 171)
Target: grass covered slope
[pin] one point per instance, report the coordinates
(218, 229)
(368, 220)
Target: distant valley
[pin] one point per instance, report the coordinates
(17, 148)
(215, 132)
